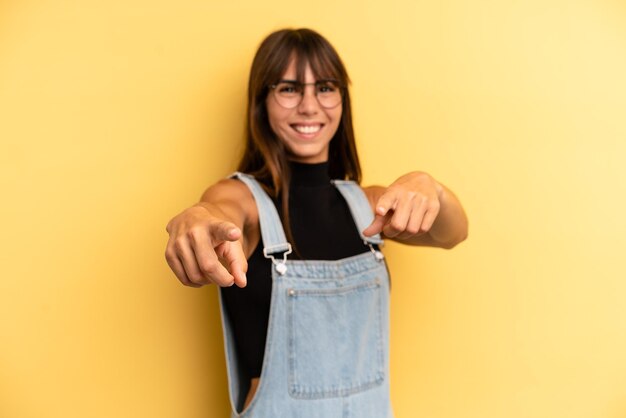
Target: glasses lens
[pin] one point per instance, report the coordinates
(328, 93)
(289, 94)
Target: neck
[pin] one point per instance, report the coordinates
(304, 174)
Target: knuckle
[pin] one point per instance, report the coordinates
(411, 195)
(197, 278)
(411, 229)
(390, 232)
(208, 267)
(179, 245)
(188, 282)
(396, 226)
(194, 278)
(193, 234)
(169, 255)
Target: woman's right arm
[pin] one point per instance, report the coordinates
(209, 241)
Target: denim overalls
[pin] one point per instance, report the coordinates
(327, 347)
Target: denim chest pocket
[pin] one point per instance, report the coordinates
(336, 345)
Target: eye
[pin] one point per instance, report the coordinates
(327, 87)
(287, 88)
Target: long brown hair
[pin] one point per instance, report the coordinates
(265, 155)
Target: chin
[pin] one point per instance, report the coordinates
(310, 158)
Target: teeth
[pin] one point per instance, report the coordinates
(309, 129)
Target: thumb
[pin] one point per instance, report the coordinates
(224, 231)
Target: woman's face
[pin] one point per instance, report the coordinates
(307, 129)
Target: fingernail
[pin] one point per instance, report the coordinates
(381, 210)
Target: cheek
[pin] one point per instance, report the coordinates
(335, 117)
(274, 115)
(339, 113)
(272, 123)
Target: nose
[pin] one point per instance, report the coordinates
(309, 104)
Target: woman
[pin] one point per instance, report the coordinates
(307, 333)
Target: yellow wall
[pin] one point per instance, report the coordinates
(115, 115)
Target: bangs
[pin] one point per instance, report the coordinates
(306, 48)
(323, 66)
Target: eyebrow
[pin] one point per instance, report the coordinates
(325, 80)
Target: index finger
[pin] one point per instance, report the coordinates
(376, 227)
(233, 255)
(205, 259)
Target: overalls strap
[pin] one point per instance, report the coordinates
(272, 233)
(359, 207)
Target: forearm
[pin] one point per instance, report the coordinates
(226, 202)
(229, 200)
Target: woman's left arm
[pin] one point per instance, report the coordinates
(417, 210)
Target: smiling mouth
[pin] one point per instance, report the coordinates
(307, 129)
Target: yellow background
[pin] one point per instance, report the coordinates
(116, 115)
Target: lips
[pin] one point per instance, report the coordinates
(307, 129)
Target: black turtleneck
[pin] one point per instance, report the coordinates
(323, 229)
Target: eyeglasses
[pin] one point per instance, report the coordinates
(289, 94)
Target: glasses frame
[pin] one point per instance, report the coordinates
(303, 85)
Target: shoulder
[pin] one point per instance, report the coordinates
(228, 189)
